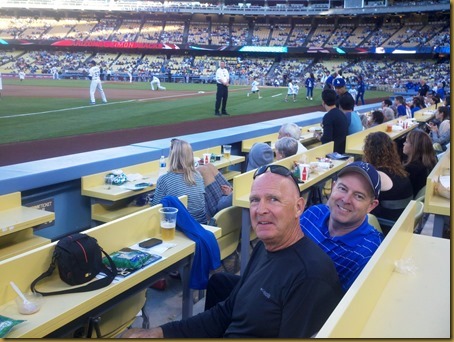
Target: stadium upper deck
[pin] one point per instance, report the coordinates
(265, 8)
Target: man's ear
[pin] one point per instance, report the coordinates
(300, 204)
(372, 205)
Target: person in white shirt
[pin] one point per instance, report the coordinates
(222, 93)
(292, 130)
(290, 91)
(156, 82)
(94, 74)
(255, 88)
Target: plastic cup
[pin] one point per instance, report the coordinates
(31, 305)
(168, 222)
(389, 128)
(227, 150)
(206, 158)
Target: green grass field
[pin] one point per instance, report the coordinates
(50, 116)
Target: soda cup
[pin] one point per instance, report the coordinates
(304, 172)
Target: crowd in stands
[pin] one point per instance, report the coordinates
(242, 70)
(237, 33)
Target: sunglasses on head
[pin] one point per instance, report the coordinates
(277, 169)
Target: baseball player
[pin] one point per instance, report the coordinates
(54, 72)
(21, 75)
(156, 82)
(94, 74)
(255, 88)
(130, 74)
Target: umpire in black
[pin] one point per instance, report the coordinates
(222, 93)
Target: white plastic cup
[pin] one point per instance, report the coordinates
(227, 149)
(168, 222)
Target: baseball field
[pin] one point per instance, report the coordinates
(44, 110)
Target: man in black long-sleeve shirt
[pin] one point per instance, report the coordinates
(334, 122)
(289, 287)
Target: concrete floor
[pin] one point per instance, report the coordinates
(165, 306)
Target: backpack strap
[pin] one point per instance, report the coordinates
(111, 273)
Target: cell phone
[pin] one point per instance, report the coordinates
(150, 243)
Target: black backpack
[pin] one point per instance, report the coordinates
(79, 259)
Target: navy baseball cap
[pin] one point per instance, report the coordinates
(368, 171)
(339, 82)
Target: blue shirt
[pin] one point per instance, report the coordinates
(310, 82)
(355, 124)
(401, 110)
(350, 252)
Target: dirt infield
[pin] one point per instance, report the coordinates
(35, 150)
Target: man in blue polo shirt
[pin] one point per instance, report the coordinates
(340, 227)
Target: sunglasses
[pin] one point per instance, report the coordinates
(277, 169)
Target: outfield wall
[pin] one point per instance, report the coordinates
(55, 183)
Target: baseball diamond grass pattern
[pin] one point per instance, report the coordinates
(34, 118)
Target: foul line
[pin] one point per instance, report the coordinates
(62, 110)
(276, 95)
(104, 104)
(172, 96)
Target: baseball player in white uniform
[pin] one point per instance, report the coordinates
(130, 74)
(21, 75)
(156, 82)
(94, 73)
(255, 88)
(54, 72)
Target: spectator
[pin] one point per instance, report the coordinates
(334, 122)
(441, 91)
(286, 147)
(416, 105)
(341, 227)
(388, 111)
(401, 106)
(423, 88)
(292, 130)
(294, 293)
(420, 158)
(441, 133)
(381, 152)
(377, 118)
(346, 105)
(218, 191)
(259, 155)
(341, 91)
(182, 179)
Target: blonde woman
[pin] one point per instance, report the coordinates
(182, 179)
